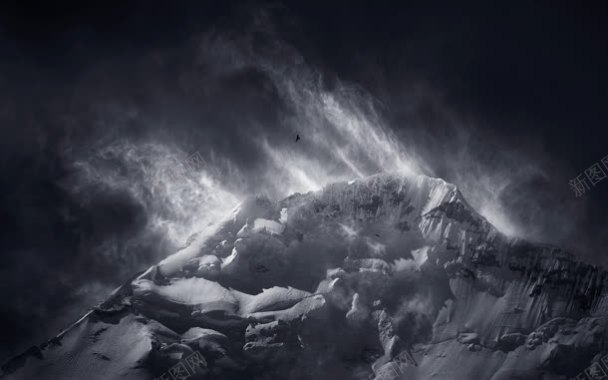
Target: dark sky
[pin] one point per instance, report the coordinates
(506, 100)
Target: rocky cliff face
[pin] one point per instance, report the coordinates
(383, 278)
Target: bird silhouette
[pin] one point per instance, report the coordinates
(297, 137)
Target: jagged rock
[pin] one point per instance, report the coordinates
(473, 347)
(509, 342)
(270, 341)
(387, 276)
(209, 267)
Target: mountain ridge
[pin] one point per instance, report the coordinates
(346, 282)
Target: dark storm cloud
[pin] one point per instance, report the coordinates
(101, 109)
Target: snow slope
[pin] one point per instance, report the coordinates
(387, 277)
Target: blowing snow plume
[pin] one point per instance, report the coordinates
(180, 195)
(343, 137)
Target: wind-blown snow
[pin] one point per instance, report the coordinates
(269, 226)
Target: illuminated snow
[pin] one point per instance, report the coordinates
(269, 226)
(284, 216)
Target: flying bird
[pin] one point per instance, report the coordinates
(297, 137)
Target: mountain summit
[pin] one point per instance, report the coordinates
(382, 278)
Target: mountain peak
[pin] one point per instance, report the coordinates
(386, 274)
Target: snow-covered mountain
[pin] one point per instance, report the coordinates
(383, 278)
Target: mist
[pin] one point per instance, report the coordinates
(113, 161)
